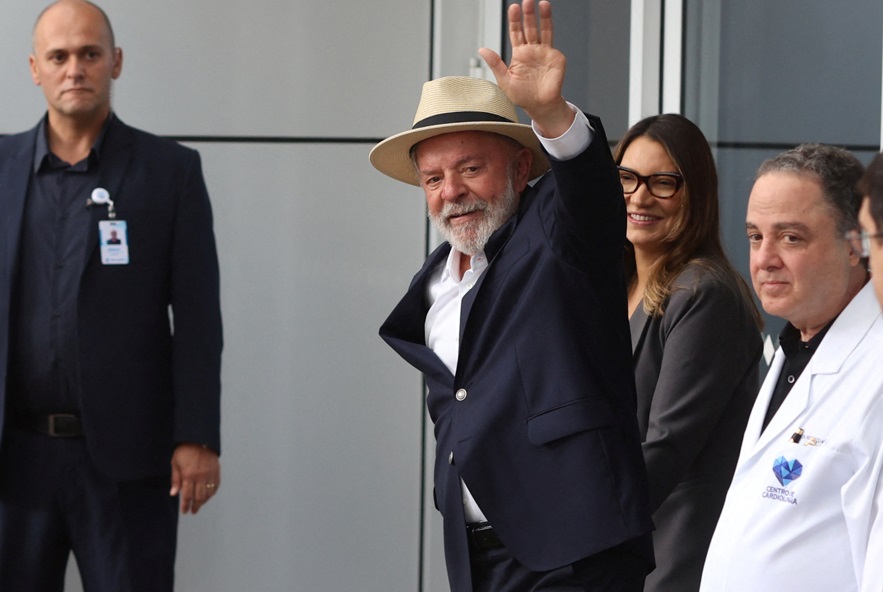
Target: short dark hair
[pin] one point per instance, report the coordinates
(871, 187)
(836, 169)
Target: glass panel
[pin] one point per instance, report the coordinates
(761, 77)
(594, 35)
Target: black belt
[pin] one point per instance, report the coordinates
(57, 425)
(482, 537)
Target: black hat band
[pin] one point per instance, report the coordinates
(461, 117)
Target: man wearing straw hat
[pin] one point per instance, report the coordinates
(518, 323)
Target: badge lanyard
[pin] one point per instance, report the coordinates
(113, 238)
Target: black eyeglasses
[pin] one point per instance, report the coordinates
(661, 185)
(861, 241)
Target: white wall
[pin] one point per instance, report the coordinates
(321, 421)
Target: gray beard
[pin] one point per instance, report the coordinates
(470, 238)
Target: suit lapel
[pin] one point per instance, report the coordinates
(755, 421)
(492, 251)
(16, 191)
(782, 423)
(404, 329)
(638, 327)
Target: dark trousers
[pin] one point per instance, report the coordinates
(614, 570)
(53, 502)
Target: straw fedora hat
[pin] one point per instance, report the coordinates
(456, 104)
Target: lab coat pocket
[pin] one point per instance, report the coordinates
(806, 476)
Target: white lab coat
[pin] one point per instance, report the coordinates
(823, 530)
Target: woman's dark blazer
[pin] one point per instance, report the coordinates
(696, 372)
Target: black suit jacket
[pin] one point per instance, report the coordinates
(546, 437)
(146, 382)
(696, 371)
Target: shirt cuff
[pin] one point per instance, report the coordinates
(572, 142)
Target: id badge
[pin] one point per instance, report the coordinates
(114, 242)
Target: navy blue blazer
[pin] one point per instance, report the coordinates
(546, 437)
(147, 383)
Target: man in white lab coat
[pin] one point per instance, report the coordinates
(803, 510)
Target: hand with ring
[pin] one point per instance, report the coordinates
(196, 475)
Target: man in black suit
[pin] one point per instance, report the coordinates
(110, 406)
(518, 323)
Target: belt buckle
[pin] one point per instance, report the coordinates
(53, 418)
(484, 537)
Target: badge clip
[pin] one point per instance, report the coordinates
(100, 196)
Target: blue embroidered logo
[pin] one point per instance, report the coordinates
(787, 470)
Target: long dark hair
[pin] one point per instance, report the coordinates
(695, 234)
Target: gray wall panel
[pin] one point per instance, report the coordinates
(321, 420)
(801, 71)
(284, 68)
(594, 35)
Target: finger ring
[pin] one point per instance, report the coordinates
(210, 485)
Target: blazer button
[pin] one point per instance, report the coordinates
(451, 458)
(460, 394)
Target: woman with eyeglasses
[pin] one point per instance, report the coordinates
(870, 217)
(695, 339)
